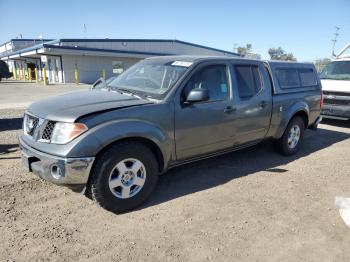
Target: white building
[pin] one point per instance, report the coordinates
(62, 58)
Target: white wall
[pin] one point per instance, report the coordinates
(90, 67)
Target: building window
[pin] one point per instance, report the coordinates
(118, 67)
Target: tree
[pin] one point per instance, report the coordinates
(244, 50)
(321, 63)
(280, 54)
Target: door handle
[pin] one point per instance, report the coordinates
(229, 109)
(263, 104)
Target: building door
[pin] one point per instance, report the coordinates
(49, 73)
(32, 69)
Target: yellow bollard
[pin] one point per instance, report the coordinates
(44, 76)
(76, 74)
(104, 73)
(36, 74)
(30, 74)
(23, 74)
(14, 72)
(18, 74)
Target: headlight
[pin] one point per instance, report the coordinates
(66, 132)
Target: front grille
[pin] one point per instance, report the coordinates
(31, 123)
(48, 130)
(38, 128)
(336, 98)
(327, 101)
(336, 93)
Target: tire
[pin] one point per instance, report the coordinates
(289, 144)
(114, 175)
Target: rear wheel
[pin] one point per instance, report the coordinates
(292, 138)
(124, 176)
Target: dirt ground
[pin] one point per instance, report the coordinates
(251, 205)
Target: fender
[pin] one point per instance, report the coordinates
(100, 136)
(288, 114)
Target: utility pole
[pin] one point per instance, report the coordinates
(336, 34)
(84, 29)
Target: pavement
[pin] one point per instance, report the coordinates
(20, 94)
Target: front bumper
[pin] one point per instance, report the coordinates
(339, 111)
(58, 170)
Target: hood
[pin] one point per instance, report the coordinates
(335, 85)
(70, 106)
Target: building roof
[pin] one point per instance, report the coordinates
(81, 46)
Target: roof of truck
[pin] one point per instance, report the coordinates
(195, 58)
(200, 58)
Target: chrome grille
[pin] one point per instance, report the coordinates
(48, 130)
(31, 123)
(327, 101)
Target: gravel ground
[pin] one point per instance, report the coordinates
(251, 205)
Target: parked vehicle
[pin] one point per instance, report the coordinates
(164, 112)
(4, 70)
(335, 79)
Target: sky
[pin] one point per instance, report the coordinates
(303, 27)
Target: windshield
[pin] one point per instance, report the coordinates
(337, 70)
(151, 79)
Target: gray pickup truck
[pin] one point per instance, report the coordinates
(163, 112)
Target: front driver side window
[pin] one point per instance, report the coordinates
(212, 78)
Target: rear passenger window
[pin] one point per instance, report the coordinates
(249, 82)
(288, 78)
(307, 77)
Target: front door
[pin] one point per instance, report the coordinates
(205, 127)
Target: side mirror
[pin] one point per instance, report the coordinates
(197, 95)
(99, 84)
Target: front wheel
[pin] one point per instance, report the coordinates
(292, 138)
(123, 176)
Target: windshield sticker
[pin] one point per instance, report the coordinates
(182, 63)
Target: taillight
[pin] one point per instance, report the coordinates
(321, 101)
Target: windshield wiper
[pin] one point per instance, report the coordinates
(127, 91)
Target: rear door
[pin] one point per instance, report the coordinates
(252, 99)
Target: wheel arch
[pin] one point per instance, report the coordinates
(303, 115)
(298, 109)
(142, 140)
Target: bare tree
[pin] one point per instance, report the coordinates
(280, 54)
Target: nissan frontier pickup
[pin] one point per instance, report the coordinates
(163, 112)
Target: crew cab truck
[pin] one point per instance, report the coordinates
(163, 112)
